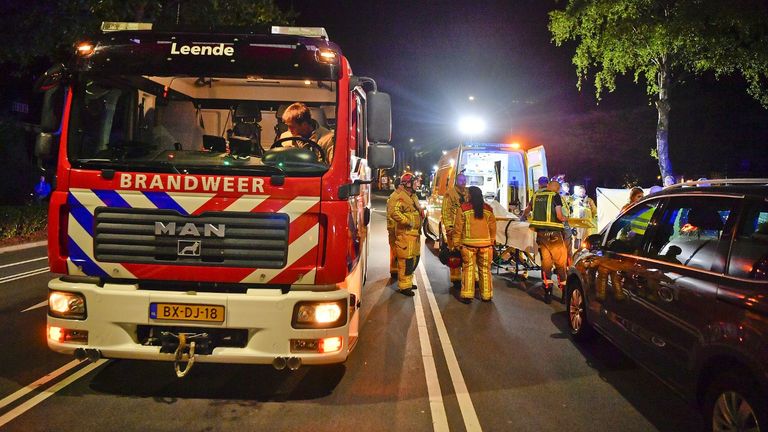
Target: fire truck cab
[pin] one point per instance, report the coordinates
(188, 222)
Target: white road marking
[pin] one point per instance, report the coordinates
(39, 305)
(45, 394)
(17, 276)
(39, 383)
(471, 421)
(436, 404)
(23, 262)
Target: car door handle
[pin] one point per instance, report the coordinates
(666, 293)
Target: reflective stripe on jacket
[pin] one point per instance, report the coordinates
(405, 212)
(544, 215)
(640, 223)
(451, 203)
(471, 231)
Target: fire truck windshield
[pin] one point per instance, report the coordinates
(199, 123)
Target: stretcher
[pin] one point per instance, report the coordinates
(515, 247)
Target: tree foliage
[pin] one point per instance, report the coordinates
(641, 37)
(45, 30)
(660, 42)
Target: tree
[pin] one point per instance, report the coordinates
(662, 42)
(45, 30)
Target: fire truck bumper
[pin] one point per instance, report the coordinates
(260, 326)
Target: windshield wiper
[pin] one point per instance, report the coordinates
(239, 169)
(168, 164)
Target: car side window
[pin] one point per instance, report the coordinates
(627, 232)
(689, 230)
(749, 253)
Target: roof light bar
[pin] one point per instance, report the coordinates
(112, 26)
(315, 32)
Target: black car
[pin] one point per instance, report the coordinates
(679, 282)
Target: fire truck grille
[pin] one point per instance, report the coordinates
(227, 239)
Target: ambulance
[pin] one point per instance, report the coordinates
(186, 227)
(505, 172)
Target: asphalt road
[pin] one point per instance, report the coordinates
(424, 363)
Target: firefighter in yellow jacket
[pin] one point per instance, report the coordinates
(547, 220)
(391, 232)
(403, 207)
(453, 199)
(474, 232)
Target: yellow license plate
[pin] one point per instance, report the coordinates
(186, 312)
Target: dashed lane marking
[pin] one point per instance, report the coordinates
(39, 305)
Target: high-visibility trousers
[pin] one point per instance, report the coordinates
(408, 251)
(554, 253)
(392, 254)
(455, 272)
(476, 259)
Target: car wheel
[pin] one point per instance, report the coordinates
(577, 314)
(734, 403)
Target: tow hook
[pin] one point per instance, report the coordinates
(185, 344)
(179, 356)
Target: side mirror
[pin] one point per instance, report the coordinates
(53, 105)
(593, 242)
(379, 120)
(51, 78)
(45, 146)
(381, 156)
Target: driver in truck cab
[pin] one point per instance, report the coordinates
(298, 118)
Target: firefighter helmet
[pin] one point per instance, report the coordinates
(407, 180)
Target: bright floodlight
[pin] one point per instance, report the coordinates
(471, 125)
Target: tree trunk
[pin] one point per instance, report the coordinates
(662, 128)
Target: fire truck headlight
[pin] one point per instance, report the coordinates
(62, 304)
(320, 314)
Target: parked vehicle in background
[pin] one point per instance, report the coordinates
(504, 172)
(679, 281)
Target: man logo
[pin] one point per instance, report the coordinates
(189, 247)
(190, 230)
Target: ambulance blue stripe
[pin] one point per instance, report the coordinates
(81, 214)
(111, 198)
(80, 259)
(163, 201)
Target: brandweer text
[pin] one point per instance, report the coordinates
(190, 183)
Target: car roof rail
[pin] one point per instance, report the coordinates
(719, 182)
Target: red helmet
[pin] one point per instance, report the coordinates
(406, 180)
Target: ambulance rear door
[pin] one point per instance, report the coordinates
(537, 166)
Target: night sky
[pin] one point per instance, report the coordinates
(430, 56)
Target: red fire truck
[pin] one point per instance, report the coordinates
(187, 223)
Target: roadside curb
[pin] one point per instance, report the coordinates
(23, 246)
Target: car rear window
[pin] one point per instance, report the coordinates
(749, 253)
